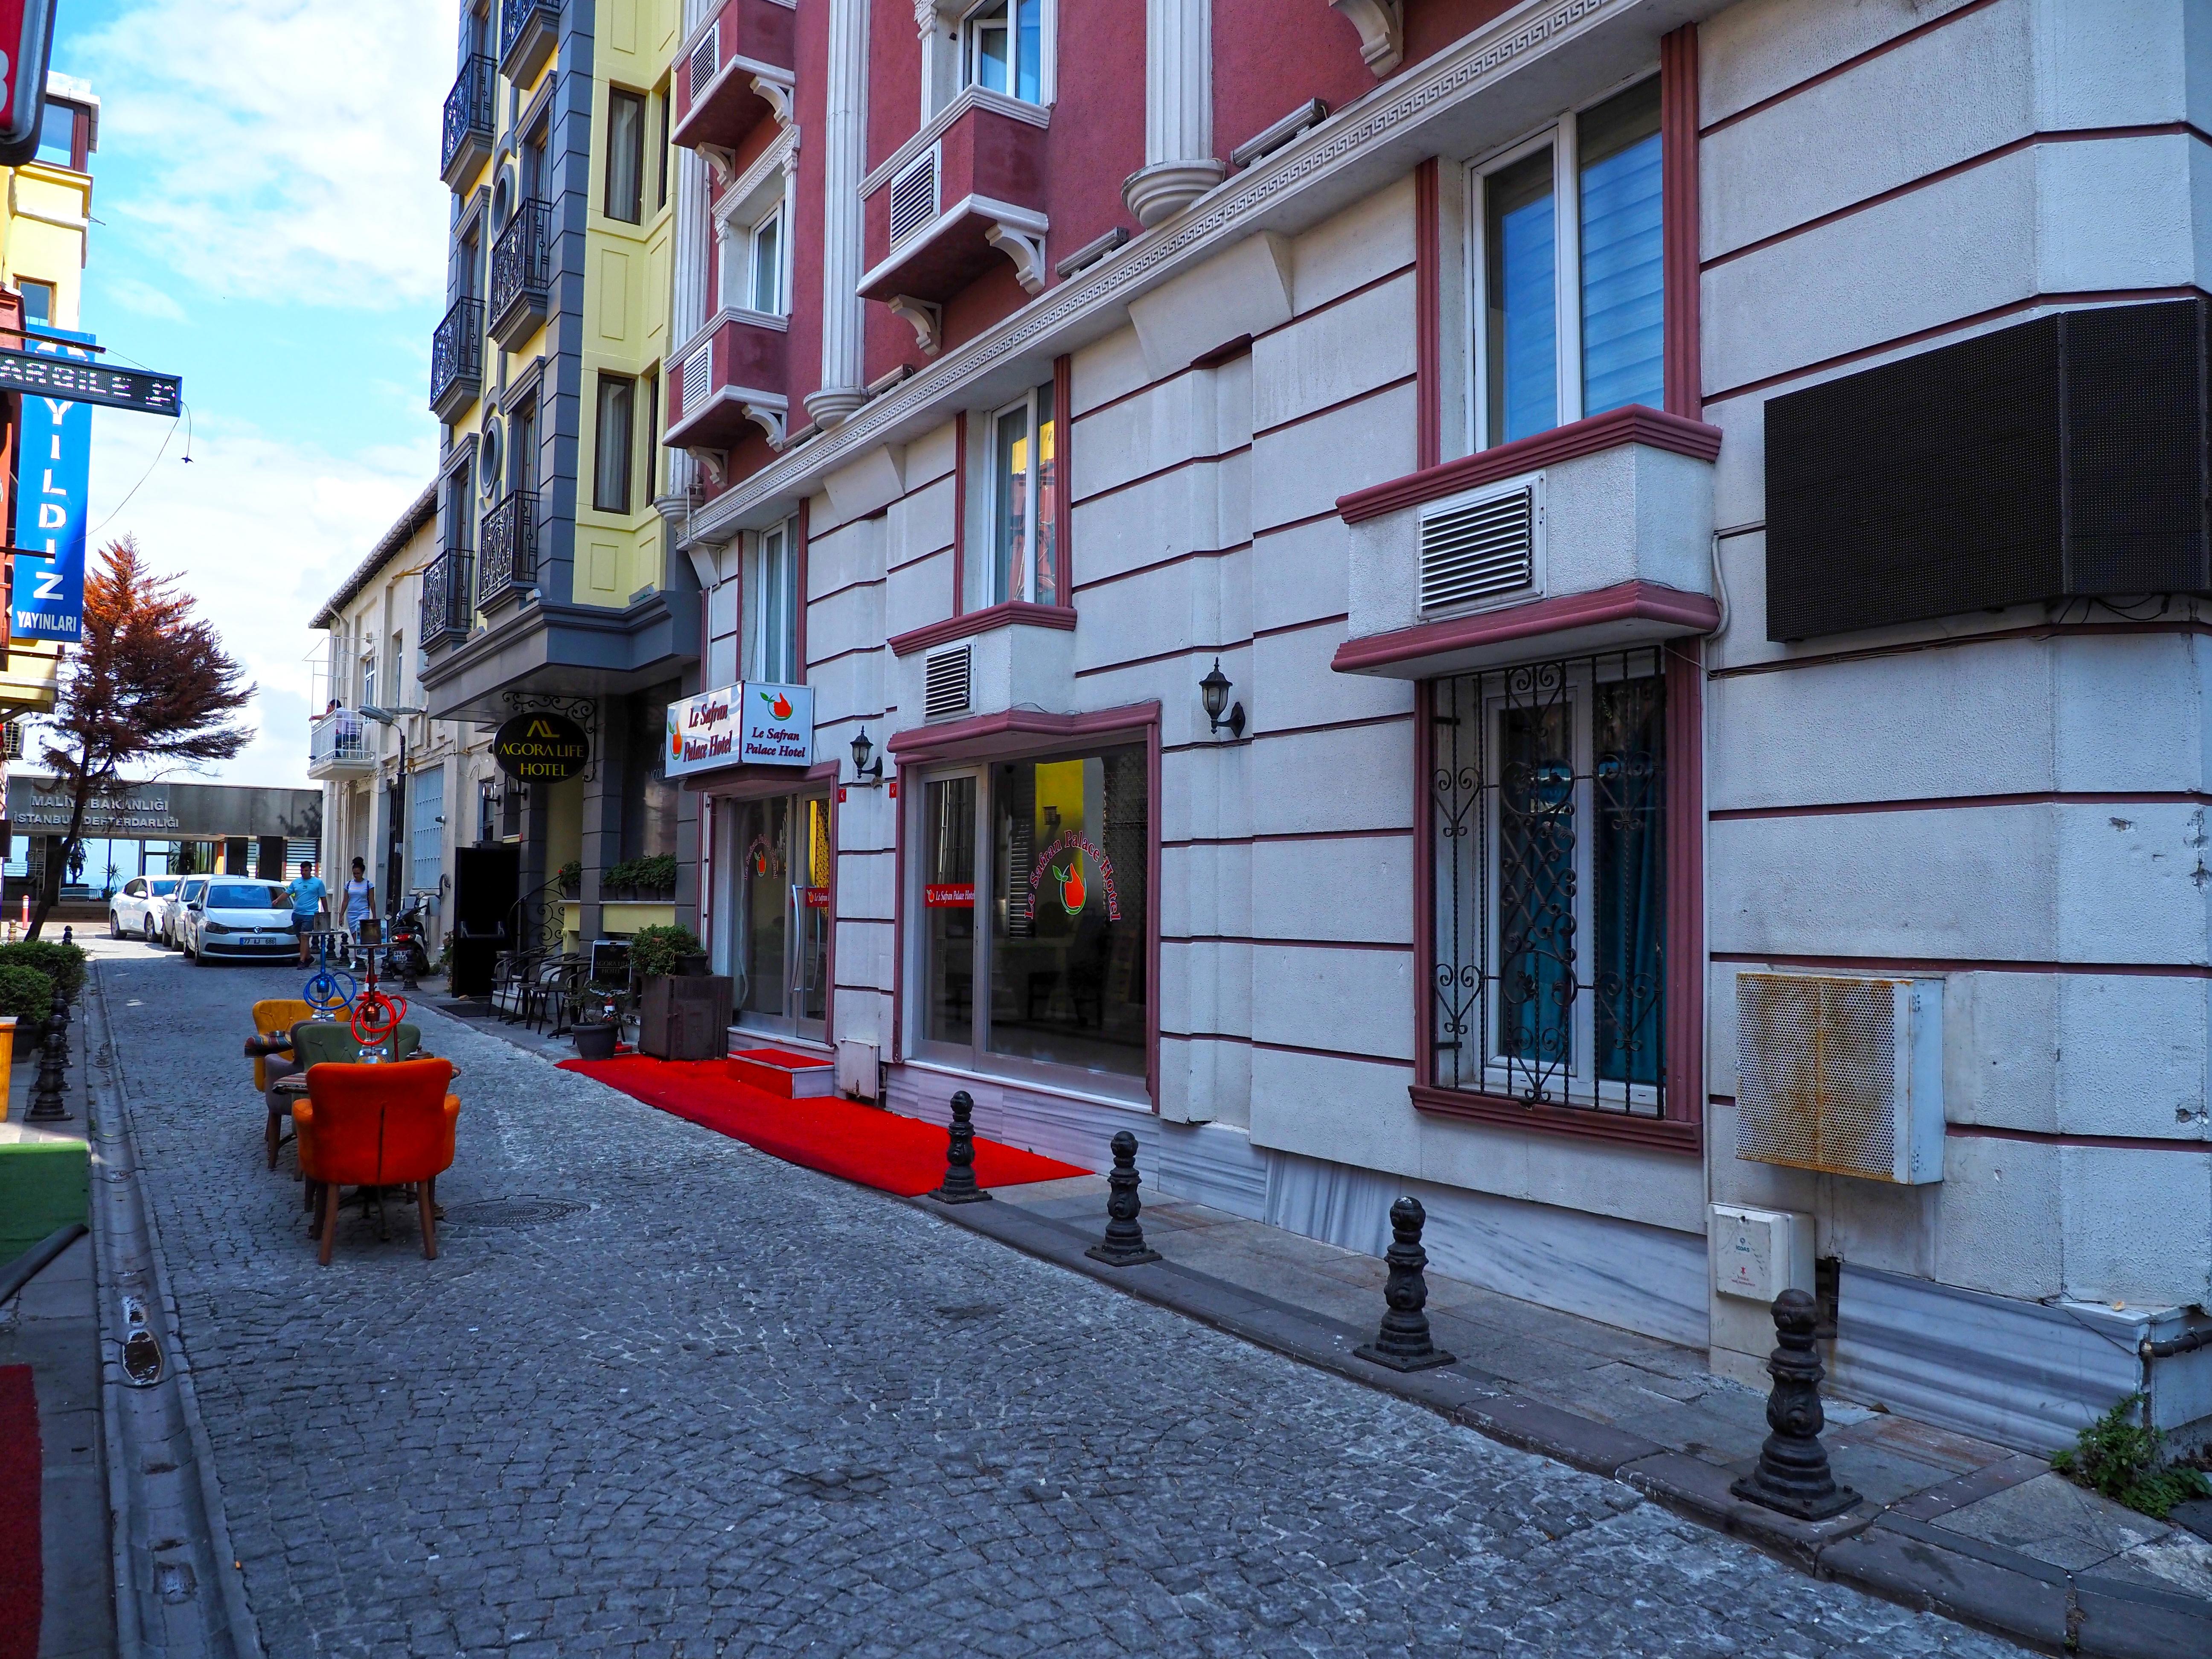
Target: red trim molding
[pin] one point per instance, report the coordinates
(1428, 316)
(1635, 424)
(1669, 609)
(1678, 191)
(1015, 729)
(753, 782)
(1012, 613)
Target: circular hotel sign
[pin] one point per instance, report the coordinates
(541, 748)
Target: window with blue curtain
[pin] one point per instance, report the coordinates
(1623, 324)
(1521, 239)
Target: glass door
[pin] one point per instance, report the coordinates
(782, 851)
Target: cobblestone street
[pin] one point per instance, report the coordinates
(680, 1399)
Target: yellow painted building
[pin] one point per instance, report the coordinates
(554, 586)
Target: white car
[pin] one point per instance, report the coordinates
(233, 916)
(169, 909)
(135, 913)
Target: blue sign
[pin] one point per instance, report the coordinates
(50, 487)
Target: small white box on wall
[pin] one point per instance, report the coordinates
(857, 1071)
(1759, 1254)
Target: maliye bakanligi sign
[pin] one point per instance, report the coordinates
(749, 724)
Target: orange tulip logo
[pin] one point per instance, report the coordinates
(779, 705)
(1071, 890)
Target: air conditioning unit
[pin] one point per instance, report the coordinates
(1474, 548)
(1844, 1076)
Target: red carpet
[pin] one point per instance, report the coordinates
(838, 1136)
(22, 1589)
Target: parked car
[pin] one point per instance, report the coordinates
(132, 913)
(173, 904)
(231, 916)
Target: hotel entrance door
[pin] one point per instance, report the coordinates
(782, 848)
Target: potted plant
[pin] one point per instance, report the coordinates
(683, 1011)
(598, 1022)
(571, 878)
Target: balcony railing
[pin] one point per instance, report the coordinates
(456, 359)
(521, 273)
(469, 111)
(528, 30)
(506, 563)
(448, 600)
(338, 745)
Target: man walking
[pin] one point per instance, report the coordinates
(308, 894)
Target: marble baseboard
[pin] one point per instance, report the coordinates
(2020, 1373)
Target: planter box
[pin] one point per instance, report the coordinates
(685, 1017)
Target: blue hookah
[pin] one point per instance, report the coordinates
(322, 992)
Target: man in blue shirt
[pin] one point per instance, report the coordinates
(307, 894)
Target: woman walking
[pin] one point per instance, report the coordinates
(361, 905)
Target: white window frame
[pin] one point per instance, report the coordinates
(768, 191)
(1561, 132)
(368, 678)
(764, 643)
(1036, 402)
(778, 303)
(968, 46)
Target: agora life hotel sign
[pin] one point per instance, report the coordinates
(749, 724)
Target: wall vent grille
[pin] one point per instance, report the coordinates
(698, 376)
(706, 59)
(1841, 1075)
(944, 682)
(1479, 549)
(914, 197)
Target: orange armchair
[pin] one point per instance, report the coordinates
(270, 1017)
(390, 1125)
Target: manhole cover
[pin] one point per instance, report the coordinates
(512, 1212)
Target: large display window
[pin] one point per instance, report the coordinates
(1035, 909)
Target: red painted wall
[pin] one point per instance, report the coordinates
(1277, 54)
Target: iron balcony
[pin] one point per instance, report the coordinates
(522, 274)
(457, 359)
(507, 563)
(528, 32)
(338, 746)
(448, 603)
(469, 110)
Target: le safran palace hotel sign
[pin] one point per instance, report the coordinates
(750, 724)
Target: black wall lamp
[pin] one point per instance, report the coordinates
(1214, 688)
(864, 774)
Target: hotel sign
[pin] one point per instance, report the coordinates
(750, 724)
(73, 381)
(541, 747)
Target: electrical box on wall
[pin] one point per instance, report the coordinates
(1759, 1254)
(1844, 1076)
(858, 1075)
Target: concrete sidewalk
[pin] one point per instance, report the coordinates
(1975, 1531)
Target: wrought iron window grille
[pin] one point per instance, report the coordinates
(1547, 797)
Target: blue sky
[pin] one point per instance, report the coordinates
(270, 224)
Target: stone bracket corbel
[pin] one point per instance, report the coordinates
(1025, 247)
(926, 318)
(722, 163)
(1381, 26)
(711, 462)
(769, 417)
(776, 94)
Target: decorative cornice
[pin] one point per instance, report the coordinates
(776, 157)
(1668, 610)
(1010, 613)
(1012, 729)
(1634, 423)
(728, 315)
(1224, 216)
(971, 97)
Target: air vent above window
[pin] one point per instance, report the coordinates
(706, 59)
(1479, 549)
(944, 682)
(914, 196)
(698, 376)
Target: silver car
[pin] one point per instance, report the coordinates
(168, 910)
(135, 913)
(231, 916)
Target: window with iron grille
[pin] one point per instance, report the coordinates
(1547, 795)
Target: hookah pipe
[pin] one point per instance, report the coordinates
(322, 992)
(376, 1016)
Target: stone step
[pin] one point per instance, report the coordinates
(780, 1072)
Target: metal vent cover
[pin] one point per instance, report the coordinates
(1479, 549)
(1840, 1075)
(914, 196)
(944, 682)
(698, 375)
(706, 59)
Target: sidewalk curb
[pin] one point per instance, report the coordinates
(1882, 1552)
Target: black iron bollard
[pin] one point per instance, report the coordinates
(49, 1103)
(1403, 1343)
(1793, 1474)
(1125, 1236)
(959, 1186)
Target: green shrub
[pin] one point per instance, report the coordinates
(653, 950)
(27, 994)
(62, 963)
(655, 874)
(2117, 1458)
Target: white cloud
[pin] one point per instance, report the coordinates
(261, 532)
(289, 147)
(144, 298)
